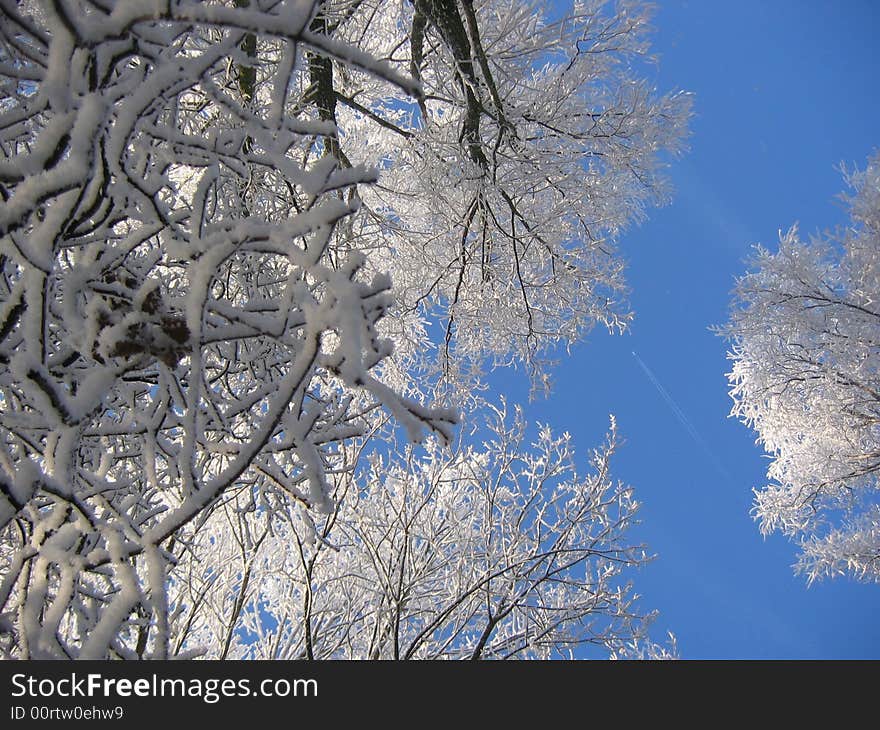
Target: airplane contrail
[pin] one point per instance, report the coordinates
(683, 419)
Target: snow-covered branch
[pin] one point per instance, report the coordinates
(498, 552)
(179, 316)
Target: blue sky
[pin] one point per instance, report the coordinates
(785, 91)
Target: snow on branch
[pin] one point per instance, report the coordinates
(504, 551)
(805, 346)
(181, 321)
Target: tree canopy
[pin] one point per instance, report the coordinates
(226, 228)
(805, 347)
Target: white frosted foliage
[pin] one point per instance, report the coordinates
(167, 315)
(502, 551)
(805, 347)
(247, 247)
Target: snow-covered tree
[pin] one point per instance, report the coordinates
(805, 337)
(170, 328)
(224, 229)
(498, 552)
(503, 188)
